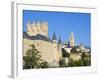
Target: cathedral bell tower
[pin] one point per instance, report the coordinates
(71, 40)
(54, 38)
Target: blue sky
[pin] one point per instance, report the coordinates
(63, 23)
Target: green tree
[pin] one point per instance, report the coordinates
(86, 59)
(72, 63)
(62, 62)
(33, 59)
(80, 62)
(44, 64)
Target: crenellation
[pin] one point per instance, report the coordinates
(37, 28)
(51, 51)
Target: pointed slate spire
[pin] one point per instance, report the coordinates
(59, 41)
(68, 44)
(54, 36)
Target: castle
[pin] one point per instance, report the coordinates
(50, 49)
(37, 28)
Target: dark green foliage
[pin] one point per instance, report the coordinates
(44, 64)
(64, 53)
(33, 59)
(84, 61)
(87, 61)
(62, 63)
(80, 62)
(72, 63)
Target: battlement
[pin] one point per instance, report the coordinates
(37, 28)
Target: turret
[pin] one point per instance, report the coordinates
(59, 41)
(54, 38)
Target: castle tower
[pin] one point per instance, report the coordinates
(29, 28)
(59, 54)
(60, 45)
(59, 41)
(37, 28)
(56, 50)
(71, 40)
(54, 38)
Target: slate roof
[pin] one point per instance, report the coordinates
(59, 42)
(54, 36)
(37, 37)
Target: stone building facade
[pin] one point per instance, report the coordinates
(37, 34)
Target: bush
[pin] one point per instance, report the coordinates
(86, 61)
(80, 63)
(62, 63)
(72, 63)
(44, 64)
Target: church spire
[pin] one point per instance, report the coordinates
(71, 39)
(54, 36)
(59, 41)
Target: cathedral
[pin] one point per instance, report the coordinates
(50, 49)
